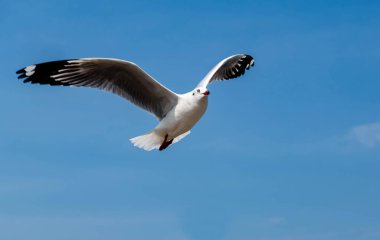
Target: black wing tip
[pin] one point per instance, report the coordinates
(244, 63)
(22, 74)
(235, 67)
(247, 61)
(250, 60)
(41, 73)
(22, 70)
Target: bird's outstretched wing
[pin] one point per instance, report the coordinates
(120, 77)
(229, 68)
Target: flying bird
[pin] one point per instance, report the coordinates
(177, 113)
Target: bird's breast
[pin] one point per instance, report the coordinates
(190, 111)
(183, 116)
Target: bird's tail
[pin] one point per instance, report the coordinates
(148, 142)
(153, 140)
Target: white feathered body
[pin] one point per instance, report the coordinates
(176, 124)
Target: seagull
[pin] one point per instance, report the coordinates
(177, 113)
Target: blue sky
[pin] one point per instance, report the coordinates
(290, 151)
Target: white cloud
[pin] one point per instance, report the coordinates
(367, 134)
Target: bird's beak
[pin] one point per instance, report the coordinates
(207, 92)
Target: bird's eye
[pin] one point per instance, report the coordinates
(198, 90)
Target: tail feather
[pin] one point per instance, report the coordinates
(148, 141)
(153, 140)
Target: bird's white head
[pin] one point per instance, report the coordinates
(200, 92)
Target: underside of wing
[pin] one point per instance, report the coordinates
(120, 77)
(229, 68)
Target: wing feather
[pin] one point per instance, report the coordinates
(229, 68)
(123, 78)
